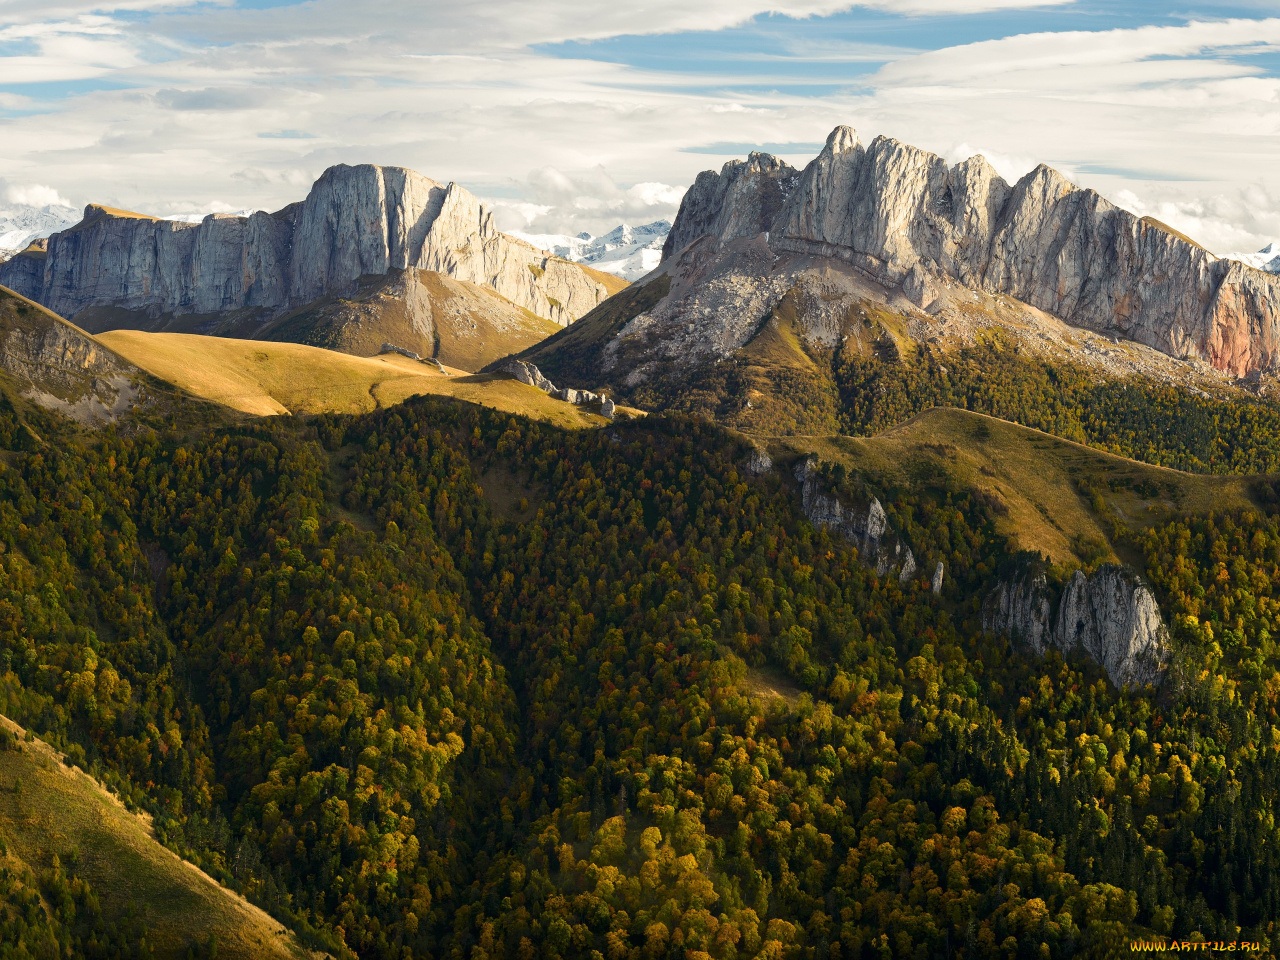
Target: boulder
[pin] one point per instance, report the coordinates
(527, 373)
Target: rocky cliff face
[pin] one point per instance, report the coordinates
(61, 367)
(906, 218)
(1109, 616)
(865, 526)
(25, 271)
(356, 222)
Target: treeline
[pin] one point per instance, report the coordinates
(1141, 419)
(643, 710)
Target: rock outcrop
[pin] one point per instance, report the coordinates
(758, 462)
(907, 219)
(867, 527)
(528, 373)
(356, 222)
(1109, 616)
(392, 348)
(63, 368)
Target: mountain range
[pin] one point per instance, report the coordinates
(769, 267)
(911, 594)
(372, 255)
(1268, 258)
(20, 225)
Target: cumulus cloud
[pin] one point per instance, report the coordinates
(557, 202)
(31, 195)
(249, 106)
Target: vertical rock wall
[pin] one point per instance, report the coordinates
(1110, 616)
(356, 222)
(890, 208)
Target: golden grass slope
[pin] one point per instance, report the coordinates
(461, 324)
(1033, 476)
(60, 809)
(267, 378)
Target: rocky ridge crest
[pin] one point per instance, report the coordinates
(357, 221)
(913, 226)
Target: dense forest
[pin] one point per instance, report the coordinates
(442, 682)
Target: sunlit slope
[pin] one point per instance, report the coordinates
(49, 809)
(1047, 490)
(266, 378)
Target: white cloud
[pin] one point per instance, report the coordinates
(557, 202)
(1028, 56)
(250, 106)
(441, 26)
(32, 195)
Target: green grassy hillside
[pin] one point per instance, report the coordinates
(1052, 496)
(54, 816)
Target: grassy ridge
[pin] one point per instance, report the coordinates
(1052, 496)
(50, 810)
(268, 378)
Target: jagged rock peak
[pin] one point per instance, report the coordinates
(889, 208)
(742, 200)
(1110, 616)
(841, 140)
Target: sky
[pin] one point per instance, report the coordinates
(570, 115)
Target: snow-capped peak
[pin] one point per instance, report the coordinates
(1268, 258)
(21, 224)
(625, 251)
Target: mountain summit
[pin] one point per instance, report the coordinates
(372, 254)
(887, 242)
(909, 220)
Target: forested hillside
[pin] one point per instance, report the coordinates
(438, 681)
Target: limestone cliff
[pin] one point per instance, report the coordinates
(908, 220)
(114, 267)
(867, 526)
(1110, 616)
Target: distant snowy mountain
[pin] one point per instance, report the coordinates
(1268, 258)
(627, 252)
(19, 225)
